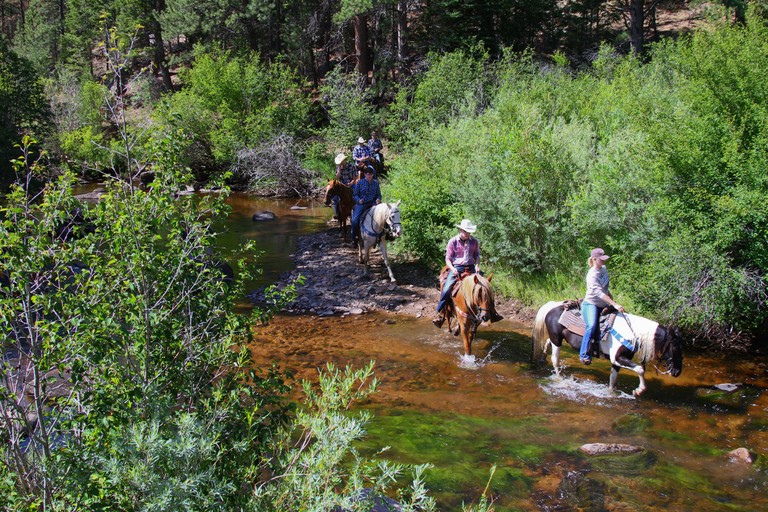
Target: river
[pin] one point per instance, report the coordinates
(463, 418)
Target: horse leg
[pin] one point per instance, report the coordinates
(383, 249)
(614, 376)
(467, 335)
(366, 258)
(623, 360)
(641, 385)
(555, 357)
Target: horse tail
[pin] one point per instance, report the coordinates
(539, 334)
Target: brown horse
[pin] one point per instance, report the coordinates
(346, 203)
(472, 306)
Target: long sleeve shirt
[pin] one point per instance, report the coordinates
(597, 286)
(367, 191)
(360, 152)
(462, 252)
(347, 173)
(375, 145)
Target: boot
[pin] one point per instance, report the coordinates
(495, 317)
(438, 320)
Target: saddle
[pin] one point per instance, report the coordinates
(456, 285)
(571, 319)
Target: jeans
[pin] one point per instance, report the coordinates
(590, 313)
(452, 277)
(357, 212)
(335, 200)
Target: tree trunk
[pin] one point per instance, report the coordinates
(361, 44)
(158, 48)
(402, 34)
(637, 26)
(21, 14)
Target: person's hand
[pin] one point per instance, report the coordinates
(619, 308)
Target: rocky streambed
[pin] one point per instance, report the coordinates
(336, 285)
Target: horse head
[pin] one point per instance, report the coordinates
(393, 220)
(671, 351)
(330, 191)
(482, 296)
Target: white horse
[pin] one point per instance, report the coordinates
(378, 223)
(630, 335)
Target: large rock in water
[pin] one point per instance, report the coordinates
(609, 448)
(265, 215)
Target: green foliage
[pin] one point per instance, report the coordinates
(317, 467)
(663, 164)
(452, 85)
(23, 109)
(230, 103)
(349, 108)
(141, 396)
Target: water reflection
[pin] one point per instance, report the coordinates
(275, 240)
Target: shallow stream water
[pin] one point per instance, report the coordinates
(433, 406)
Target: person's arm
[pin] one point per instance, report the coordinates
(450, 252)
(356, 192)
(378, 193)
(607, 297)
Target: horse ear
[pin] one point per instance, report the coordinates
(397, 203)
(490, 276)
(475, 276)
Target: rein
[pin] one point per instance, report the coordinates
(388, 225)
(663, 349)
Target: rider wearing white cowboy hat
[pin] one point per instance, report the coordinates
(362, 153)
(462, 254)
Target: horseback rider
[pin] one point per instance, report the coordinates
(462, 255)
(346, 174)
(595, 300)
(361, 154)
(366, 194)
(376, 147)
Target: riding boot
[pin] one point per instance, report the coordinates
(496, 317)
(438, 320)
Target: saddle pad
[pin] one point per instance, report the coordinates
(571, 320)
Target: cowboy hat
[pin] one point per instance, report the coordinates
(340, 158)
(466, 225)
(360, 140)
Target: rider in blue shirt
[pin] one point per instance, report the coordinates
(361, 154)
(366, 194)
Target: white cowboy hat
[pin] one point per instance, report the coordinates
(466, 225)
(340, 158)
(360, 140)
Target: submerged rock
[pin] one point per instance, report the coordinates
(593, 449)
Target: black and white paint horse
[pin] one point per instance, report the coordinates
(376, 225)
(631, 336)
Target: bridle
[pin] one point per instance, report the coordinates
(665, 350)
(474, 314)
(389, 225)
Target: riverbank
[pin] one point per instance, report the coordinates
(335, 284)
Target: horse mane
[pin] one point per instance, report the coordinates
(645, 330)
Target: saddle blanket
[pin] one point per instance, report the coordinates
(571, 320)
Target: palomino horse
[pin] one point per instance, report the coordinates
(472, 306)
(630, 335)
(376, 224)
(346, 202)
